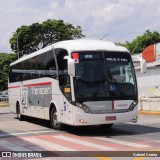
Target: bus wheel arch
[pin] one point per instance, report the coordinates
(54, 118)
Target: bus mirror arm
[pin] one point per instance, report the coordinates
(71, 66)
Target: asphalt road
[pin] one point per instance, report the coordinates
(36, 135)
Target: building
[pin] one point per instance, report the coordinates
(148, 81)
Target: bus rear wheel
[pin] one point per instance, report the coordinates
(19, 115)
(54, 120)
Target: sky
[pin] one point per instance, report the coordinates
(113, 20)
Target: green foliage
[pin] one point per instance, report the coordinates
(31, 38)
(141, 42)
(5, 60)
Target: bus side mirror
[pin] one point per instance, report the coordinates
(143, 66)
(71, 66)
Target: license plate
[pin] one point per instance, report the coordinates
(110, 118)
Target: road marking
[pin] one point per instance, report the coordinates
(131, 144)
(24, 133)
(148, 139)
(48, 144)
(28, 131)
(12, 146)
(81, 142)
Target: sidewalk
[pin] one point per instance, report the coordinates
(149, 112)
(4, 104)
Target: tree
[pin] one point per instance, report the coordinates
(141, 42)
(5, 60)
(31, 38)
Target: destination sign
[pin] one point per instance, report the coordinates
(117, 59)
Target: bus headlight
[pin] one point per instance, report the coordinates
(132, 106)
(84, 107)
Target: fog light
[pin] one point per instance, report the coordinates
(82, 121)
(135, 119)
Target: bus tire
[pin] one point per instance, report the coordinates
(54, 120)
(19, 115)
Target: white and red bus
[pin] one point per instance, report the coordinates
(75, 82)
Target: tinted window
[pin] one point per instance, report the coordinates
(36, 67)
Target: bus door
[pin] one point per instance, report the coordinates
(62, 109)
(65, 98)
(65, 86)
(65, 110)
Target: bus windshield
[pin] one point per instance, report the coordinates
(102, 75)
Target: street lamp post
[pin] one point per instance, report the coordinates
(105, 36)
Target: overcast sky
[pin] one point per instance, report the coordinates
(120, 20)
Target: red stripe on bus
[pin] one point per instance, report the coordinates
(37, 84)
(9, 87)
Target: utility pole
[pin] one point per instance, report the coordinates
(17, 43)
(104, 36)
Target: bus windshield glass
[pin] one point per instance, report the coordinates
(102, 75)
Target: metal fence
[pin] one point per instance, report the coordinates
(4, 99)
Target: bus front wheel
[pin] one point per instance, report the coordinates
(54, 120)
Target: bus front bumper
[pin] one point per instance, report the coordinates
(81, 118)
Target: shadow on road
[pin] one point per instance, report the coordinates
(37, 121)
(116, 130)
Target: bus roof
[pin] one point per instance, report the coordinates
(84, 44)
(76, 45)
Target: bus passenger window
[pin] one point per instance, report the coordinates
(26, 76)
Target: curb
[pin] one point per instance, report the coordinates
(149, 112)
(4, 106)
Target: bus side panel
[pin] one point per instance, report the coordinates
(14, 95)
(57, 100)
(40, 94)
(53, 98)
(63, 107)
(68, 112)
